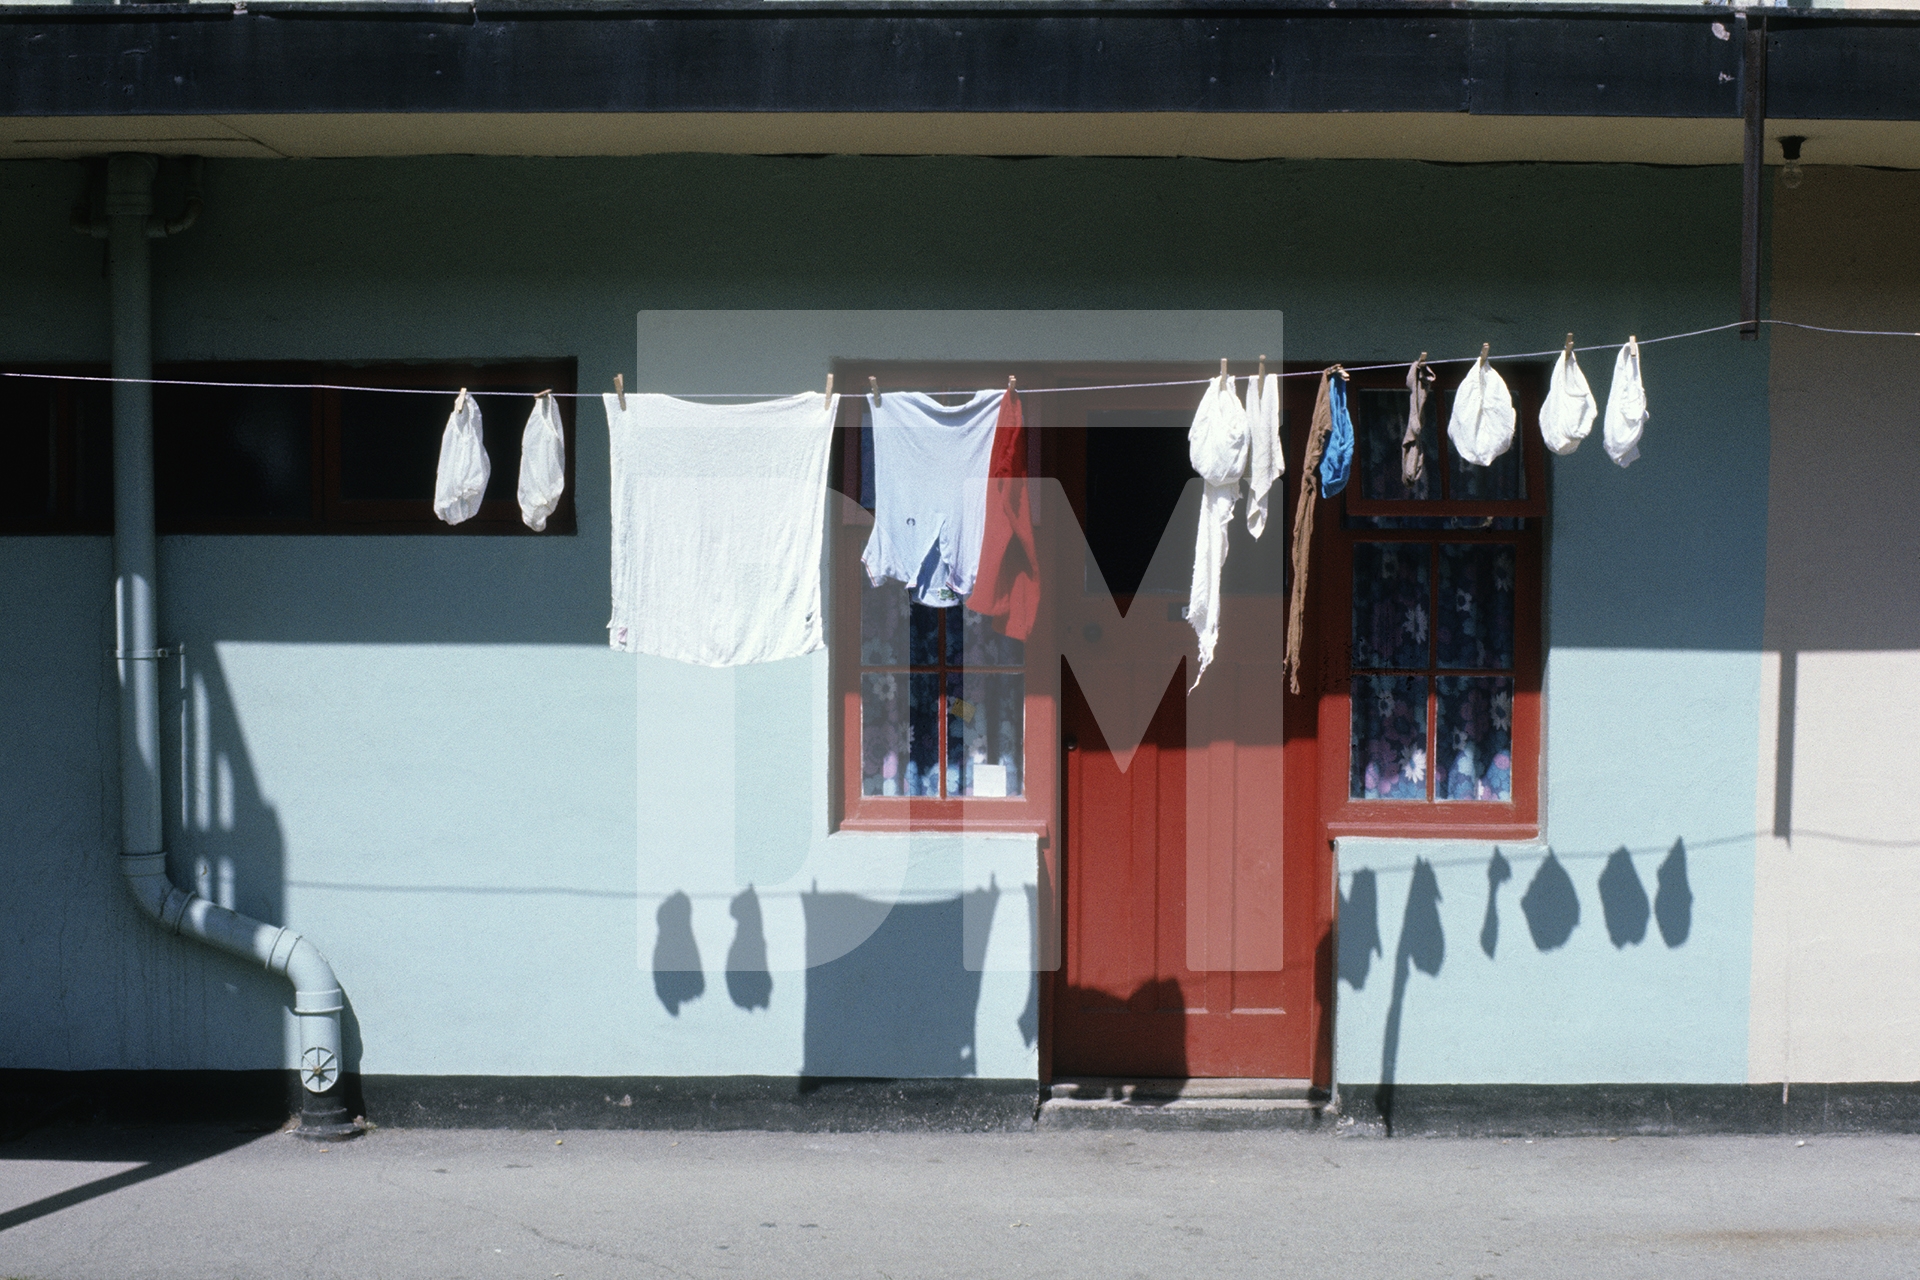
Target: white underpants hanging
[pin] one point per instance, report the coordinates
(1626, 406)
(1481, 427)
(543, 464)
(461, 480)
(1567, 414)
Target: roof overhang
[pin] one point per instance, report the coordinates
(1481, 83)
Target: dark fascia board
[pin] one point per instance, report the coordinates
(524, 57)
(134, 11)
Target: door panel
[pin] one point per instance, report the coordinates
(1196, 905)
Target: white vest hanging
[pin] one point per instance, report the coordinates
(1217, 447)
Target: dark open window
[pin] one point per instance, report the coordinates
(56, 453)
(281, 458)
(299, 459)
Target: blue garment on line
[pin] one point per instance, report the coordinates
(1336, 464)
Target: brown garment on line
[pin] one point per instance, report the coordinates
(1303, 522)
(1419, 382)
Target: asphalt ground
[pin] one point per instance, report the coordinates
(96, 1201)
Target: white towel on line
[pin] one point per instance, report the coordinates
(718, 513)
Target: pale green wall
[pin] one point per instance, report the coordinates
(435, 758)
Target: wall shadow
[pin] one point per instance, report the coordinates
(1673, 899)
(1359, 928)
(1623, 900)
(904, 1002)
(677, 975)
(1422, 946)
(1499, 871)
(1029, 1020)
(1138, 1036)
(1550, 904)
(749, 985)
(224, 841)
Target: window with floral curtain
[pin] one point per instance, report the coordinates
(1435, 605)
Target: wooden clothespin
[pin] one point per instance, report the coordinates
(1344, 375)
(829, 399)
(1568, 349)
(1223, 371)
(1012, 383)
(543, 394)
(620, 390)
(1484, 348)
(460, 400)
(873, 388)
(1263, 368)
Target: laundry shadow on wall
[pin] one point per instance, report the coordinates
(749, 985)
(1422, 946)
(904, 1001)
(1623, 900)
(1551, 905)
(677, 975)
(1499, 871)
(1359, 928)
(1673, 900)
(1029, 1020)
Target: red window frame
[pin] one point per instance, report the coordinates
(1329, 620)
(1030, 812)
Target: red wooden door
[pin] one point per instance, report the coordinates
(1196, 904)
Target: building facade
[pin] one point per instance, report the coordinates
(559, 883)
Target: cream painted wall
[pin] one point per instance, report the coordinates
(1836, 950)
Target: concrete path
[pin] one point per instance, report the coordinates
(201, 1203)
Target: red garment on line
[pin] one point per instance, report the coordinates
(1007, 586)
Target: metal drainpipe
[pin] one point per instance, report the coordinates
(317, 999)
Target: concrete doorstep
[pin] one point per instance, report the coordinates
(1101, 1102)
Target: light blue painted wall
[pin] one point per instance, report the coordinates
(440, 773)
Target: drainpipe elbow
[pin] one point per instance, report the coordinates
(146, 877)
(159, 228)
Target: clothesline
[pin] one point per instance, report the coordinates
(1116, 386)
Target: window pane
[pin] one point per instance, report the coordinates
(923, 634)
(985, 729)
(1503, 480)
(1389, 759)
(29, 451)
(1379, 420)
(1389, 604)
(923, 736)
(985, 647)
(1475, 623)
(883, 625)
(232, 454)
(1476, 737)
(390, 444)
(883, 734)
